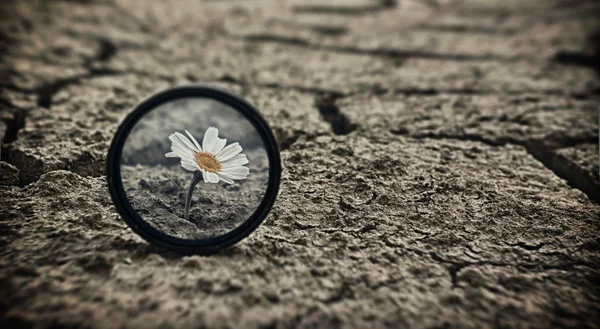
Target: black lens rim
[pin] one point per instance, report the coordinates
(156, 237)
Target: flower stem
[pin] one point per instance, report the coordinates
(188, 200)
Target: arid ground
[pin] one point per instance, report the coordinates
(440, 163)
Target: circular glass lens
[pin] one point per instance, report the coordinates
(194, 168)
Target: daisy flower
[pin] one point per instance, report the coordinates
(214, 160)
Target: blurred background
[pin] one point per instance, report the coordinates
(440, 163)
(148, 142)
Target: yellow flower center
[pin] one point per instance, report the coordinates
(207, 162)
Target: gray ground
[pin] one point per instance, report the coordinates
(440, 163)
(158, 194)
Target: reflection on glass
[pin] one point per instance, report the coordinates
(182, 143)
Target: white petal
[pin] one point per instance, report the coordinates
(236, 161)
(229, 152)
(236, 171)
(225, 178)
(204, 178)
(194, 141)
(237, 177)
(186, 141)
(219, 145)
(172, 155)
(189, 163)
(185, 156)
(229, 176)
(177, 142)
(212, 177)
(210, 139)
(182, 152)
(187, 166)
(180, 148)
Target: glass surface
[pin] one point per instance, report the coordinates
(194, 147)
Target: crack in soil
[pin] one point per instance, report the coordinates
(582, 59)
(286, 143)
(46, 92)
(467, 29)
(330, 112)
(463, 137)
(381, 5)
(106, 50)
(376, 89)
(563, 168)
(13, 126)
(540, 150)
(311, 90)
(387, 53)
(10, 134)
(455, 267)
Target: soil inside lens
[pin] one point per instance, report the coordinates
(157, 193)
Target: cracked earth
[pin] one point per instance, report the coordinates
(440, 163)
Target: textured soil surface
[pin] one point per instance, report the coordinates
(440, 163)
(158, 195)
